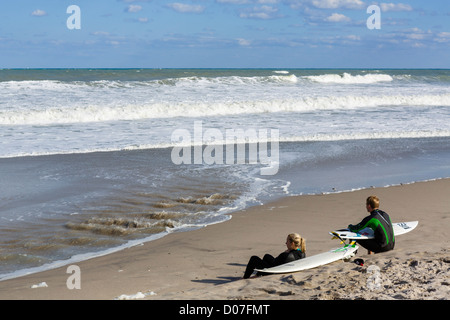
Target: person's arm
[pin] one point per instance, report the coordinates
(363, 224)
(283, 258)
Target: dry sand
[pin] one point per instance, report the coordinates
(208, 263)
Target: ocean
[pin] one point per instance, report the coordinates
(97, 160)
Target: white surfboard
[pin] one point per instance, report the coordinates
(320, 259)
(367, 233)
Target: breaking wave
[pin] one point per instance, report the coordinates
(102, 113)
(56, 85)
(347, 78)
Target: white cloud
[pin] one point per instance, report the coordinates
(334, 4)
(133, 8)
(395, 7)
(248, 1)
(234, 1)
(444, 34)
(268, 1)
(39, 13)
(442, 37)
(353, 37)
(413, 37)
(416, 36)
(337, 17)
(186, 8)
(244, 42)
(262, 12)
(100, 33)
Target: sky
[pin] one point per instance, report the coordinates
(224, 34)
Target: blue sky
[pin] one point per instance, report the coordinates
(225, 34)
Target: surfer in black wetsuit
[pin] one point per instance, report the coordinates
(296, 249)
(380, 222)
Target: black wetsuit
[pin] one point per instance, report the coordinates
(269, 261)
(380, 222)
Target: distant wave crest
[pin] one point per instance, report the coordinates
(56, 85)
(347, 78)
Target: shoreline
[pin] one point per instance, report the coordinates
(78, 258)
(205, 263)
(137, 242)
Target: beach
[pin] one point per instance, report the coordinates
(150, 150)
(208, 263)
(160, 184)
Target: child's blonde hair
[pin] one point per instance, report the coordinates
(299, 242)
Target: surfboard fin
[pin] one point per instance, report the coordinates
(335, 236)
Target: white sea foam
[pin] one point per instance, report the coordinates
(17, 86)
(291, 138)
(39, 285)
(138, 295)
(232, 80)
(369, 136)
(347, 78)
(55, 85)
